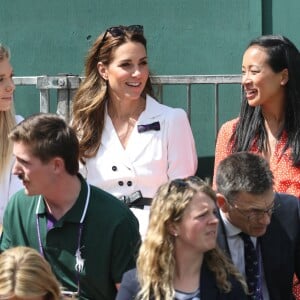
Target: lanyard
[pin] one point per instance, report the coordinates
(79, 260)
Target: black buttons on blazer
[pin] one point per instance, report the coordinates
(121, 183)
(114, 168)
(129, 183)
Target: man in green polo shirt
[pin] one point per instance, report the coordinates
(88, 236)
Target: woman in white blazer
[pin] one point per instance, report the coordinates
(129, 143)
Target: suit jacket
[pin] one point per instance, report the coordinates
(280, 247)
(208, 288)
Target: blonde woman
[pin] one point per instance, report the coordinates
(25, 274)
(178, 258)
(9, 183)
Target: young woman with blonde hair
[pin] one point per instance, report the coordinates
(25, 274)
(178, 258)
(9, 183)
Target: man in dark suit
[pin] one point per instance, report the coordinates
(248, 204)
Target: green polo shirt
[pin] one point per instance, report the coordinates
(108, 243)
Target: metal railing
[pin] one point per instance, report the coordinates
(67, 84)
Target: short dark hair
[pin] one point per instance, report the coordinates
(243, 172)
(48, 136)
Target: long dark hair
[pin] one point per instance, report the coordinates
(282, 54)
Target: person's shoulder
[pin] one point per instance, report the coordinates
(21, 202)
(165, 109)
(286, 212)
(231, 124)
(20, 195)
(104, 197)
(129, 287)
(19, 119)
(284, 200)
(130, 275)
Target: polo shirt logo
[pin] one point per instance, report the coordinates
(79, 261)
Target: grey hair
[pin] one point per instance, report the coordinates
(243, 172)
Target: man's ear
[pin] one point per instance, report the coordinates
(58, 164)
(222, 203)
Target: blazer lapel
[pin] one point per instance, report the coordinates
(208, 287)
(111, 142)
(221, 236)
(139, 142)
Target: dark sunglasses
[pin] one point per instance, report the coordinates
(182, 184)
(179, 184)
(120, 30)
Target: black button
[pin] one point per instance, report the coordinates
(121, 183)
(114, 168)
(129, 183)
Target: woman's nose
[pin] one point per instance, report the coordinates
(10, 85)
(136, 72)
(245, 78)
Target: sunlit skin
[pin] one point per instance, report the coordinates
(127, 73)
(247, 204)
(35, 175)
(261, 84)
(7, 86)
(197, 231)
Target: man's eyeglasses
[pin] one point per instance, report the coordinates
(254, 214)
(120, 31)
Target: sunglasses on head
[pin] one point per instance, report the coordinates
(182, 184)
(179, 184)
(120, 30)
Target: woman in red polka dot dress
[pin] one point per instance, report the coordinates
(269, 120)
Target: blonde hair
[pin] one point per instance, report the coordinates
(156, 262)
(24, 273)
(7, 123)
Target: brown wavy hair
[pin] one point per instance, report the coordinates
(88, 107)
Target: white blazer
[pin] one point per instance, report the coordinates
(150, 159)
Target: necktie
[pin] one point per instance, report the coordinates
(251, 267)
